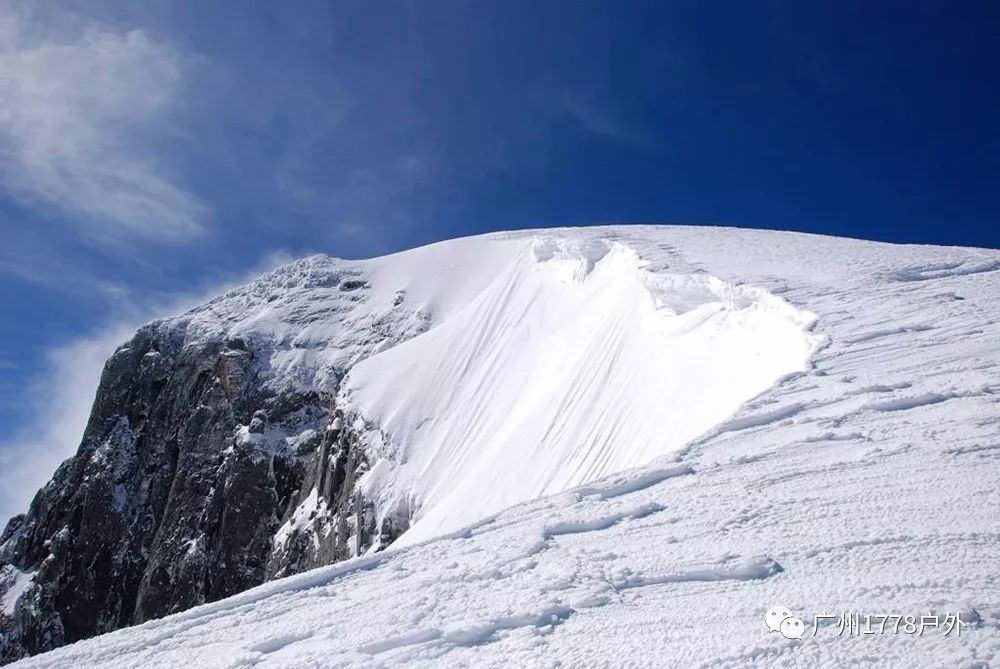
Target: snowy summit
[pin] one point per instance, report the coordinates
(614, 446)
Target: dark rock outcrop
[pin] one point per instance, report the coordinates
(198, 451)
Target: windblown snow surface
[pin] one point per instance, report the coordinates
(621, 446)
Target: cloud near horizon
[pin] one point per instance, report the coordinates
(62, 395)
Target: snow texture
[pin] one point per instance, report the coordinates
(13, 583)
(693, 426)
(574, 362)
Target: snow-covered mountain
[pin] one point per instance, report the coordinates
(579, 358)
(610, 446)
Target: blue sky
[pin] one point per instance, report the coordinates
(152, 152)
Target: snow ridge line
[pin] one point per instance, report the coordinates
(577, 358)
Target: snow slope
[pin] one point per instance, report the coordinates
(574, 362)
(867, 482)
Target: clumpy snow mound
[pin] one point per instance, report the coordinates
(867, 484)
(574, 362)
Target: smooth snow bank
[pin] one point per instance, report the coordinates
(572, 362)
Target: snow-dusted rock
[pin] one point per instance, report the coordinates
(204, 434)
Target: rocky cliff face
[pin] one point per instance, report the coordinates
(213, 460)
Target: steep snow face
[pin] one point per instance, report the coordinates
(866, 486)
(313, 319)
(574, 361)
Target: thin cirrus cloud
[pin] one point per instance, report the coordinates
(79, 106)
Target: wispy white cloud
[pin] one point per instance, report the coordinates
(40, 260)
(60, 399)
(595, 116)
(80, 108)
